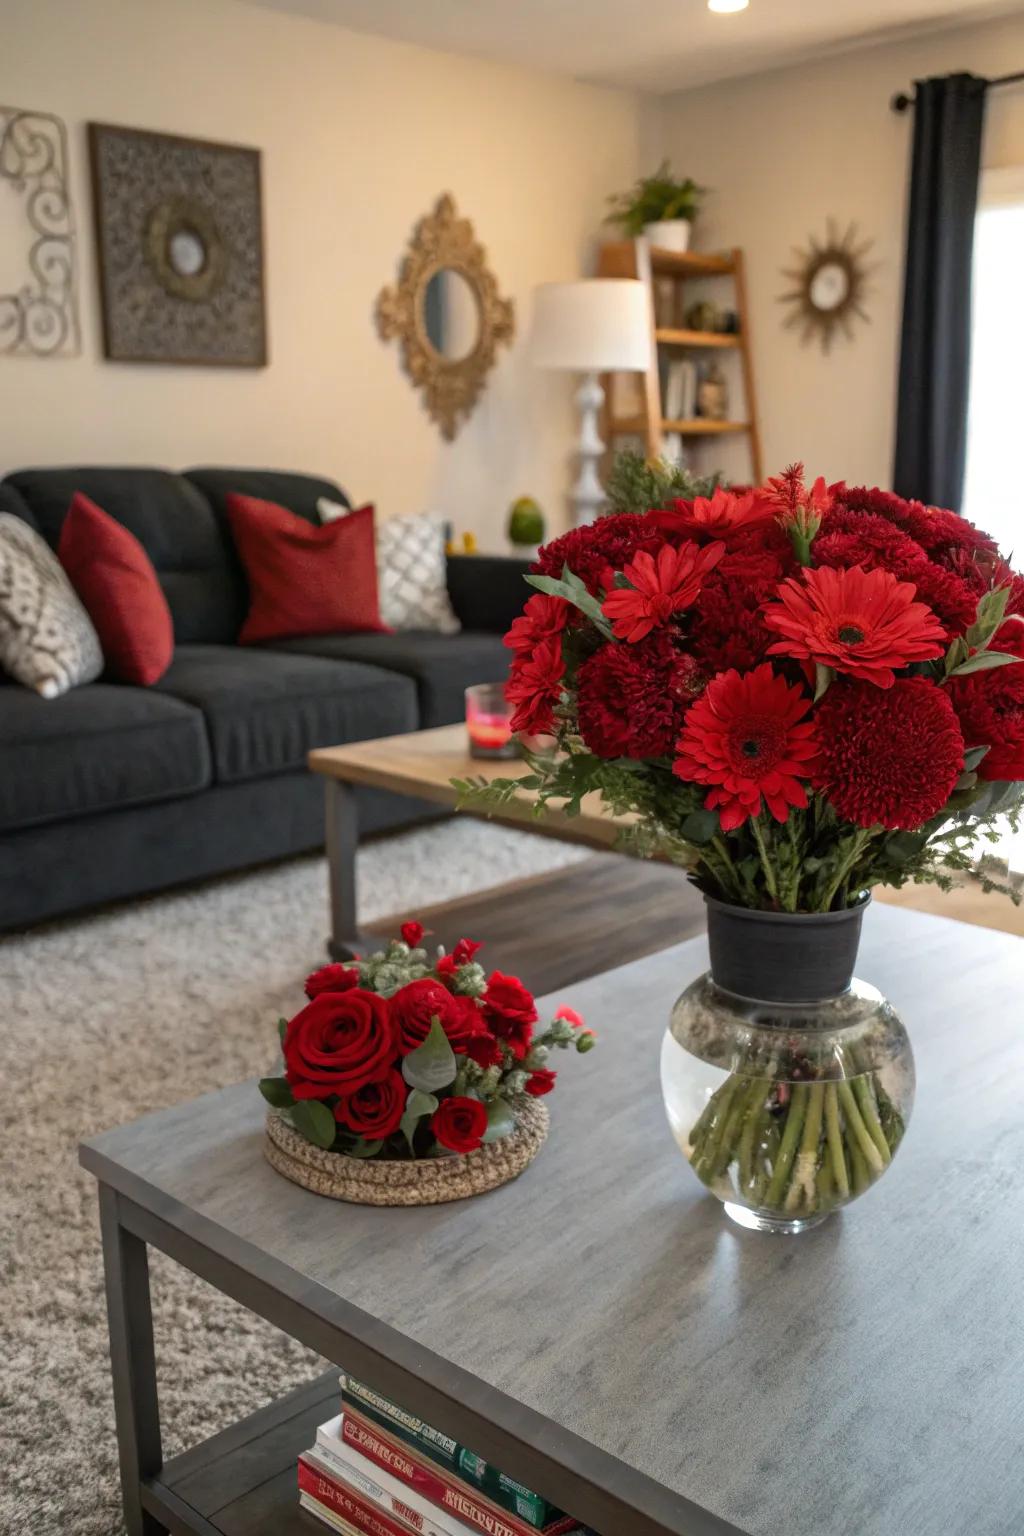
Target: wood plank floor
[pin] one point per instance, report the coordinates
(558, 928)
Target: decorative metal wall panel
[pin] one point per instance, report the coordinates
(38, 282)
(179, 231)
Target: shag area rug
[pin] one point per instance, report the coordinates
(105, 1019)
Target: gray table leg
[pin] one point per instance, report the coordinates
(132, 1363)
(342, 829)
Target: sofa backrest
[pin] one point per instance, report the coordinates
(180, 521)
(10, 501)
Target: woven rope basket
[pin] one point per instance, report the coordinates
(424, 1181)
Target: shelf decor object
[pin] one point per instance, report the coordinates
(800, 692)
(411, 1079)
(448, 314)
(179, 238)
(39, 315)
(830, 281)
(650, 264)
(594, 326)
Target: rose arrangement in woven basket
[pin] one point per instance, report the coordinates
(406, 1059)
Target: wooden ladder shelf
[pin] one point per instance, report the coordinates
(635, 258)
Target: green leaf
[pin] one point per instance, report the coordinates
(575, 592)
(900, 847)
(824, 677)
(699, 827)
(276, 1092)
(314, 1121)
(997, 797)
(417, 1105)
(990, 614)
(364, 1148)
(432, 1065)
(282, 1029)
(955, 656)
(500, 1120)
(973, 757)
(983, 661)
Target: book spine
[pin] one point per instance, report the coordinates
(347, 1503)
(463, 1463)
(379, 1487)
(329, 1517)
(436, 1484)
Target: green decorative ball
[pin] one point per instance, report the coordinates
(525, 522)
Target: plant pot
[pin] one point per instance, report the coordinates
(406, 1181)
(788, 1083)
(669, 235)
(523, 551)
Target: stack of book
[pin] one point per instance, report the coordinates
(379, 1470)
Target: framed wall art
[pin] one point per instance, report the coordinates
(179, 234)
(38, 281)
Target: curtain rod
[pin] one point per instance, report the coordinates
(901, 102)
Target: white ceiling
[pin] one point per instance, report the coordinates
(659, 45)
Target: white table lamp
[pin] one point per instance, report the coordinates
(598, 325)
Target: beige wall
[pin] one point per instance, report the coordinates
(359, 137)
(785, 151)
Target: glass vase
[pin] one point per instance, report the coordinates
(788, 1083)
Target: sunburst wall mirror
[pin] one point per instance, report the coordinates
(448, 314)
(830, 285)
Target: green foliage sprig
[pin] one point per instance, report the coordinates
(636, 484)
(654, 198)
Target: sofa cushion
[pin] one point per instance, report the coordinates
(441, 666)
(94, 749)
(189, 545)
(299, 493)
(12, 501)
(265, 711)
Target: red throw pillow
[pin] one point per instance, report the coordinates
(120, 590)
(304, 579)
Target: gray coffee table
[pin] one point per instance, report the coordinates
(598, 1328)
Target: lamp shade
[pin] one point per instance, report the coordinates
(598, 325)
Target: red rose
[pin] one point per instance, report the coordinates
(510, 1011)
(464, 951)
(338, 1043)
(459, 1124)
(332, 978)
(412, 933)
(375, 1110)
(417, 1003)
(540, 1082)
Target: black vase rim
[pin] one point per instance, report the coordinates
(784, 957)
(761, 914)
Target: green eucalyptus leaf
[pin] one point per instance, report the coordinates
(314, 1121)
(956, 654)
(282, 1029)
(699, 827)
(575, 592)
(417, 1105)
(997, 796)
(500, 1120)
(824, 677)
(900, 847)
(974, 756)
(364, 1148)
(277, 1092)
(432, 1065)
(990, 614)
(982, 661)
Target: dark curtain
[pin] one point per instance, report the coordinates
(935, 348)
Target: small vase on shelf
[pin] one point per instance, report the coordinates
(788, 1083)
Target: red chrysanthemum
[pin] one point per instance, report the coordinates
(722, 516)
(990, 707)
(543, 618)
(939, 532)
(726, 628)
(535, 687)
(850, 538)
(591, 551)
(659, 587)
(887, 758)
(864, 623)
(747, 736)
(631, 699)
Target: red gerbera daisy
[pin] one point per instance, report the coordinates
(718, 517)
(631, 699)
(888, 758)
(543, 618)
(658, 588)
(861, 622)
(747, 736)
(535, 687)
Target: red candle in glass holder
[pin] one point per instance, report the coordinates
(489, 721)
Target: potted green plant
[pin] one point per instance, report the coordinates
(525, 528)
(660, 207)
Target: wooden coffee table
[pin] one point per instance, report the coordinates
(422, 765)
(598, 1328)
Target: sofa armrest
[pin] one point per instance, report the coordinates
(487, 591)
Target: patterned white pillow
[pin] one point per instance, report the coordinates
(47, 640)
(411, 571)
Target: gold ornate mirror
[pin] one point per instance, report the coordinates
(448, 314)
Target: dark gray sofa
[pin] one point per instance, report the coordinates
(111, 791)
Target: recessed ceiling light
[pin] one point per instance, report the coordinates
(727, 5)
